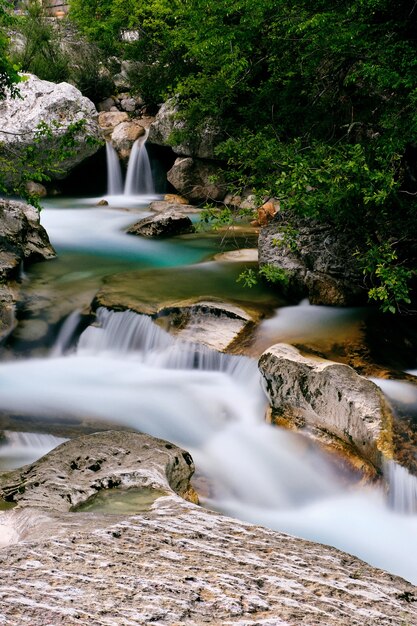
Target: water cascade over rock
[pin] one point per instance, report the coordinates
(139, 179)
(127, 370)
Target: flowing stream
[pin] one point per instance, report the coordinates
(126, 370)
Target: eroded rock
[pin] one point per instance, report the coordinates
(176, 563)
(329, 399)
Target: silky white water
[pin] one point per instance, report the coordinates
(114, 171)
(139, 178)
(129, 371)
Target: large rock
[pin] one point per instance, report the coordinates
(317, 258)
(329, 399)
(175, 563)
(203, 143)
(22, 241)
(198, 180)
(124, 136)
(59, 106)
(166, 224)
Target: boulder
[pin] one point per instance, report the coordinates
(167, 224)
(198, 180)
(172, 562)
(124, 136)
(58, 106)
(36, 189)
(106, 105)
(108, 120)
(329, 399)
(317, 258)
(22, 241)
(167, 121)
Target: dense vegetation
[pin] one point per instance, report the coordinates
(317, 103)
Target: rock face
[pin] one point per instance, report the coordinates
(317, 259)
(122, 131)
(330, 398)
(176, 563)
(45, 102)
(166, 122)
(167, 224)
(197, 179)
(22, 241)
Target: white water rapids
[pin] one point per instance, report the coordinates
(125, 370)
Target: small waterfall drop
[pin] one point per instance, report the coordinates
(402, 488)
(114, 172)
(66, 333)
(139, 174)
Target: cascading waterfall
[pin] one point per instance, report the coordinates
(20, 448)
(114, 172)
(139, 174)
(139, 179)
(128, 370)
(402, 488)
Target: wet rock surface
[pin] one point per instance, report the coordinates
(166, 224)
(198, 179)
(22, 241)
(328, 398)
(176, 563)
(318, 260)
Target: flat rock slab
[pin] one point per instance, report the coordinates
(166, 224)
(181, 564)
(204, 301)
(329, 397)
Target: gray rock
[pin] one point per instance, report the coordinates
(106, 105)
(197, 180)
(167, 121)
(47, 102)
(22, 241)
(162, 206)
(128, 104)
(176, 563)
(330, 398)
(317, 259)
(167, 224)
(124, 136)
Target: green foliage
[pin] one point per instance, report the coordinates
(9, 76)
(271, 273)
(318, 101)
(40, 159)
(390, 279)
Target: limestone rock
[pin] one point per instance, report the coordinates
(76, 470)
(167, 121)
(124, 136)
(22, 241)
(106, 104)
(175, 198)
(176, 563)
(167, 224)
(330, 398)
(198, 180)
(108, 120)
(317, 259)
(128, 104)
(45, 102)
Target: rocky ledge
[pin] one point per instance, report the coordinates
(175, 563)
(22, 241)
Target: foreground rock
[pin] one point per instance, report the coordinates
(59, 106)
(329, 399)
(318, 260)
(173, 564)
(22, 241)
(166, 224)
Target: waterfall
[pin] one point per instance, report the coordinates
(114, 172)
(20, 448)
(139, 174)
(402, 488)
(66, 333)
